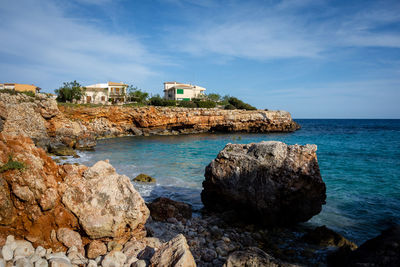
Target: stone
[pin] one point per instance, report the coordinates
(208, 255)
(114, 259)
(96, 248)
(23, 262)
(40, 251)
(70, 238)
(125, 213)
(267, 183)
(139, 263)
(62, 151)
(92, 263)
(176, 253)
(41, 263)
(253, 257)
(323, 236)
(23, 248)
(77, 258)
(7, 253)
(2, 261)
(144, 178)
(113, 245)
(60, 262)
(162, 208)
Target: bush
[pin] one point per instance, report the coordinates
(169, 103)
(230, 107)
(70, 91)
(137, 95)
(187, 104)
(239, 104)
(156, 101)
(206, 104)
(12, 165)
(29, 93)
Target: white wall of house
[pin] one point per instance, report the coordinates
(178, 91)
(96, 96)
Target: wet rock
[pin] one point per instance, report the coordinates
(383, 250)
(62, 151)
(323, 236)
(96, 248)
(144, 178)
(173, 253)
(268, 183)
(253, 257)
(161, 209)
(125, 213)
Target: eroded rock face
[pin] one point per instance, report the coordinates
(253, 257)
(269, 183)
(105, 202)
(174, 253)
(52, 205)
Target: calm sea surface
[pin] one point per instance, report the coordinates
(359, 162)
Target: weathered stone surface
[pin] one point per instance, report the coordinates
(96, 248)
(269, 182)
(114, 259)
(163, 208)
(23, 248)
(106, 203)
(173, 253)
(253, 257)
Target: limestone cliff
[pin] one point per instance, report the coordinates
(50, 125)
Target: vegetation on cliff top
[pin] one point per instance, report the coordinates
(70, 91)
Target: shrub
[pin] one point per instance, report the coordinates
(230, 107)
(12, 165)
(29, 93)
(206, 104)
(169, 103)
(239, 104)
(156, 101)
(187, 104)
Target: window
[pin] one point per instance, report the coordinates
(179, 91)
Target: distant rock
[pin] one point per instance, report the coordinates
(144, 178)
(162, 208)
(270, 183)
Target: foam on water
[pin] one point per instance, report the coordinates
(359, 162)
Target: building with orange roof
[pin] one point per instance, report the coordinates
(102, 93)
(19, 87)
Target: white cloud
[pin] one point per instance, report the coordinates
(43, 36)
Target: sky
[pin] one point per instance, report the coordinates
(313, 58)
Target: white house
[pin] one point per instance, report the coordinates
(182, 91)
(102, 93)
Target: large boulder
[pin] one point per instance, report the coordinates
(162, 208)
(106, 203)
(253, 257)
(270, 183)
(64, 206)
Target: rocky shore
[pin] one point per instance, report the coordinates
(56, 127)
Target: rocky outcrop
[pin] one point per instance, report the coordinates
(162, 209)
(270, 183)
(53, 205)
(108, 121)
(40, 119)
(323, 236)
(383, 250)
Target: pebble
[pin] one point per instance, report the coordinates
(24, 249)
(2, 263)
(23, 262)
(7, 252)
(40, 251)
(114, 259)
(139, 263)
(91, 263)
(41, 263)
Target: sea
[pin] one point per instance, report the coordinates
(359, 162)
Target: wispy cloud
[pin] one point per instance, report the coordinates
(44, 36)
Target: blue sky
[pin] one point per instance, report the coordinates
(314, 58)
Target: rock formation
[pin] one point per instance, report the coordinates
(51, 205)
(253, 257)
(162, 209)
(270, 183)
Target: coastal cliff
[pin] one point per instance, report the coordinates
(51, 126)
(119, 120)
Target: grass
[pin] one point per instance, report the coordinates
(12, 165)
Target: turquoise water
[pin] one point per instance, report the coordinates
(359, 162)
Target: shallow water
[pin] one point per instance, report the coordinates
(359, 162)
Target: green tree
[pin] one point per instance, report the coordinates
(137, 95)
(214, 97)
(70, 91)
(239, 104)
